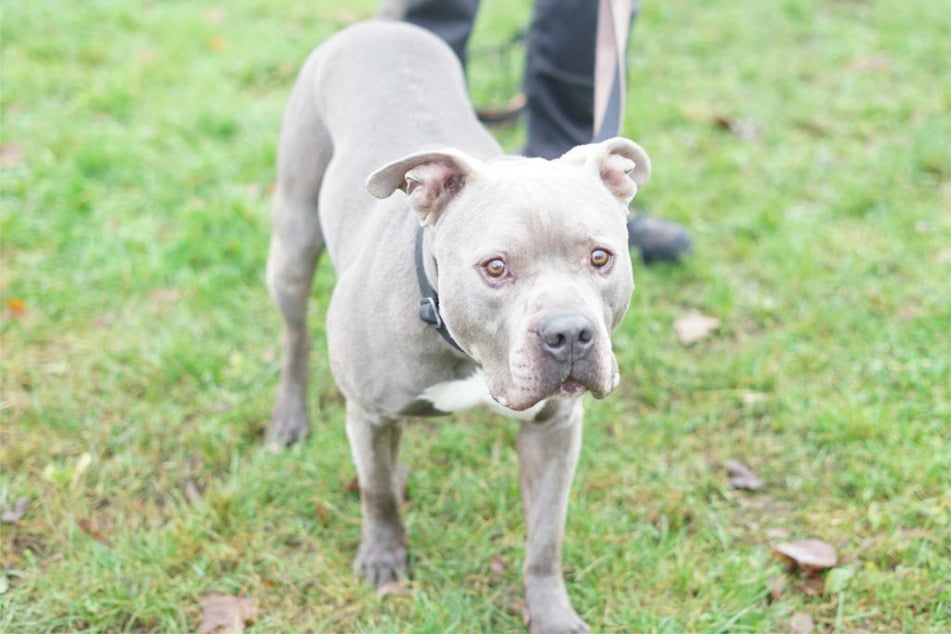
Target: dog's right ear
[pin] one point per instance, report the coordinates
(430, 179)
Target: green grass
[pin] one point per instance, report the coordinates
(138, 149)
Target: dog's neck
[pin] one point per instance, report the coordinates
(429, 298)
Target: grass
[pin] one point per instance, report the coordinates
(139, 344)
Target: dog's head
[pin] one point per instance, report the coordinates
(533, 269)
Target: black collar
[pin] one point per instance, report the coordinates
(429, 299)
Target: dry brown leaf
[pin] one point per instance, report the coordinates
(746, 130)
(225, 614)
(497, 566)
(742, 477)
(13, 514)
(694, 326)
(323, 515)
(16, 308)
(92, 529)
(808, 555)
(812, 586)
(801, 623)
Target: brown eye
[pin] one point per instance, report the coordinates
(600, 258)
(494, 268)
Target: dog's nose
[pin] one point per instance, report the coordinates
(566, 337)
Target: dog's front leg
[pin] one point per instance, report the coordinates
(547, 454)
(374, 445)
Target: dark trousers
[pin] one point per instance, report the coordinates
(560, 60)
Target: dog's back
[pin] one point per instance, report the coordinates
(370, 94)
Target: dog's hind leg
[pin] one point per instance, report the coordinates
(296, 243)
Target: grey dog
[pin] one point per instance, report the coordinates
(520, 271)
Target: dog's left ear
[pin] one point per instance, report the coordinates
(430, 179)
(622, 165)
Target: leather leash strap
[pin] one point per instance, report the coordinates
(614, 22)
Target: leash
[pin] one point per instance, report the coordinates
(614, 22)
(429, 302)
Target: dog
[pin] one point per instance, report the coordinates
(487, 280)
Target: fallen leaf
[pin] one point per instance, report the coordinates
(322, 514)
(91, 529)
(812, 586)
(497, 566)
(13, 514)
(742, 477)
(16, 308)
(801, 623)
(808, 555)
(745, 130)
(225, 614)
(694, 326)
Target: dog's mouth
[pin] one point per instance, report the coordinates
(571, 387)
(566, 387)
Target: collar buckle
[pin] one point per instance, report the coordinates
(429, 313)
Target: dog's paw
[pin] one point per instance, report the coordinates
(558, 621)
(380, 564)
(288, 425)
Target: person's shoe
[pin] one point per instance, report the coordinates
(658, 240)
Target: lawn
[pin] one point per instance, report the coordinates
(807, 145)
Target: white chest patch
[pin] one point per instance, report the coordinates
(462, 394)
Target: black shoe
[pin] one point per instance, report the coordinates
(658, 240)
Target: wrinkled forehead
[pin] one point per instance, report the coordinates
(545, 204)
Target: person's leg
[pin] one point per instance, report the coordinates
(560, 91)
(559, 76)
(451, 20)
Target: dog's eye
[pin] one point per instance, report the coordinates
(495, 268)
(600, 258)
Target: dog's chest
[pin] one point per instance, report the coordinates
(463, 394)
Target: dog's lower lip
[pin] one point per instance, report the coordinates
(571, 387)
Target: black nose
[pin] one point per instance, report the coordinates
(566, 337)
